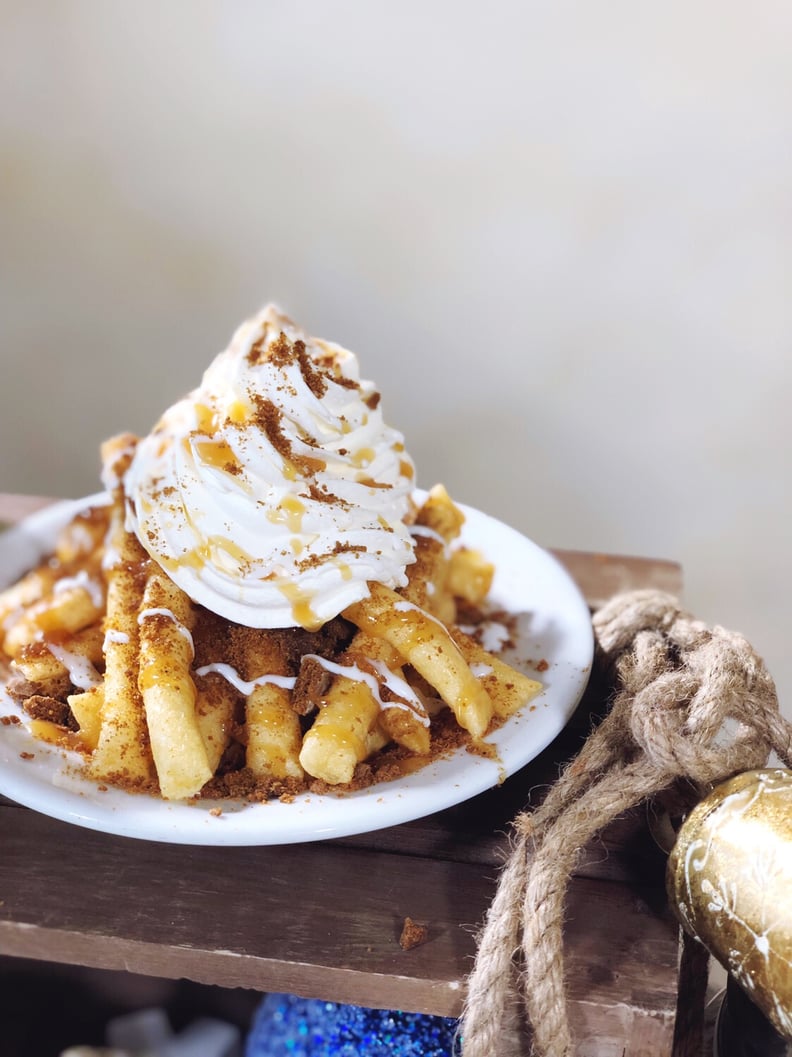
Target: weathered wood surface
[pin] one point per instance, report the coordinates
(323, 919)
(319, 919)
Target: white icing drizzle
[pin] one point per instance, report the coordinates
(246, 687)
(84, 581)
(480, 670)
(110, 558)
(161, 611)
(492, 634)
(113, 635)
(406, 607)
(81, 672)
(406, 698)
(429, 533)
(81, 538)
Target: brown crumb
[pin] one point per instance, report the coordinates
(10, 721)
(27, 755)
(413, 934)
(541, 666)
(216, 812)
(312, 684)
(42, 706)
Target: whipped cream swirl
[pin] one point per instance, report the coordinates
(275, 492)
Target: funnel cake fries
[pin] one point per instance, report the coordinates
(109, 657)
(258, 608)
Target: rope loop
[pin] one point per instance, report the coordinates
(689, 702)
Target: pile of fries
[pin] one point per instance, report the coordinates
(109, 657)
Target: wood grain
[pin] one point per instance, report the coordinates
(317, 919)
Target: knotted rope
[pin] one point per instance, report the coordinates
(691, 702)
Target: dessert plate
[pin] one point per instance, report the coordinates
(554, 644)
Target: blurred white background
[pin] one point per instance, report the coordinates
(559, 237)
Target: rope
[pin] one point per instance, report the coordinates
(691, 702)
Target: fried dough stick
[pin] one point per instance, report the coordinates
(404, 720)
(470, 575)
(425, 643)
(61, 594)
(122, 752)
(353, 708)
(74, 603)
(38, 664)
(508, 688)
(86, 708)
(437, 525)
(341, 733)
(465, 574)
(166, 620)
(30, 589)
(274, 735)
(354, 720)
(215, 706)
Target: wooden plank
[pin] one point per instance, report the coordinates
(601, 576)
(296, 918)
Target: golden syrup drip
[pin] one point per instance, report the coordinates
(289, 512)
(238, 413)
(150, 675)
(206, 420)
(306, 465)
(300, 602)
(406, 469)
(295, 510)
(342, 736)
(312, 464)
(219, 551)
(46, 730)
(218, 454)
(363, 457)
(297, 545)
(346, 571)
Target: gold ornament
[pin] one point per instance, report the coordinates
(729, 882)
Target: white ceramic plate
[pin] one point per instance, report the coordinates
(554, 626)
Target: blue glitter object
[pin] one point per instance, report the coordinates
(288, 1026)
